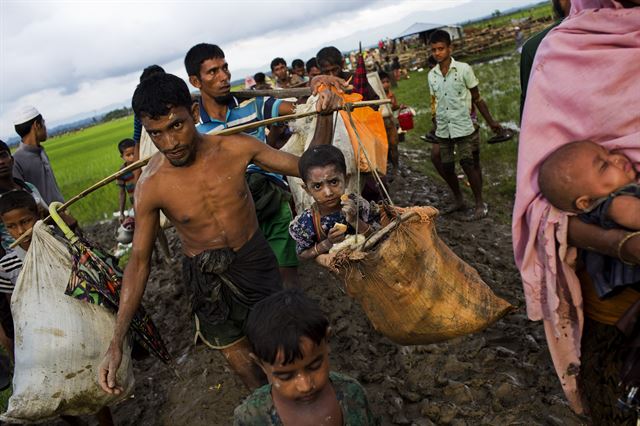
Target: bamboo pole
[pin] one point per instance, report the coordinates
(224, 132)
(274, 93)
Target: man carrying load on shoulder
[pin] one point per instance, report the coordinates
(209, 72)
(227, 264)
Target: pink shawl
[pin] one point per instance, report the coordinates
(585, 84)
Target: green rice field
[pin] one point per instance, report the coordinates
(82, 158)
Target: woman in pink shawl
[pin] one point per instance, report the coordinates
(585, 84)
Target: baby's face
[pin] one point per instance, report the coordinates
(600, 172)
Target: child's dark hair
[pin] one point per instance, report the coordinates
(124, 144)
(440, 36)
(259, 78)
(4, 147)
(297, 63)
(156, 95)
(329, 55)
(17, 199)
(198, 54)
(321, 156)
(151, 70)
(278, 61)
(383, 75)
(311, 63)
(277, 323)
(23, 129)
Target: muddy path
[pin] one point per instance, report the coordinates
(500, 376)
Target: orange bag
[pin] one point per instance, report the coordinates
(413, 288)
(370, 127)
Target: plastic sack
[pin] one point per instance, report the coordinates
(369, 125)
(59, 341)
(413, 288)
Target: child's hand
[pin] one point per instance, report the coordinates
(336, 234)
(349, 210)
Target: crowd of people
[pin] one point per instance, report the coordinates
(242, 241)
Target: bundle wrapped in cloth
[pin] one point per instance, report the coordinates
(412, 287)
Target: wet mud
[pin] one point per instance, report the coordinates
(500, 376)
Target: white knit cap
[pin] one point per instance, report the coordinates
(25, 114)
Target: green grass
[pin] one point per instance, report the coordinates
(500, 88)
(82, 158)
(543, 10)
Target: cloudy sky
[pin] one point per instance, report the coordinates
(72, 59)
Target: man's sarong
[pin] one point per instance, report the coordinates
(224, 285)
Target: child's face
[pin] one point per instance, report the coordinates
(441, 51)
(128, 154)
(386, 84)
(19, 221)
(326, 185)
(599, 172)
(303, 380)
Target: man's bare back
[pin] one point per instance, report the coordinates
(208, 201)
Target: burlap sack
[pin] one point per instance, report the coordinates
(414, 289)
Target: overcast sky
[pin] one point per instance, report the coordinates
(71, 59)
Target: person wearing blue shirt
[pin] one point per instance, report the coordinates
(209, 72)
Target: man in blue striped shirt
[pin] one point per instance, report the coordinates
(209, 72)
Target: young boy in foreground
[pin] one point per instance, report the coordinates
(333, 214)
(126, 182)
(289, 336)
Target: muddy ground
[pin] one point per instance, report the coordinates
(502, 376)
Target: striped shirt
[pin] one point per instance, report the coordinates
(10, 267)
(249, 111)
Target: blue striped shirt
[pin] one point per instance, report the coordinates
(249, 111)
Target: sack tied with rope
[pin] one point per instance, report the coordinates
(412, 287)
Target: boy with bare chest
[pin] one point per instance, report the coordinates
(198, 182)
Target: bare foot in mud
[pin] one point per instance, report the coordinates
(457, 207)
(480, 212)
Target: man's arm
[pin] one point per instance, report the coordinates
(484, 110)
(133, 284)
(267, 158)
(604, 241)
(624, 210)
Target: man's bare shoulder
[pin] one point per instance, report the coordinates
(233, 144)
(150, 175)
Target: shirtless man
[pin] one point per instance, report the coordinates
(198, 181)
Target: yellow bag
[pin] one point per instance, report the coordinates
(413, 288)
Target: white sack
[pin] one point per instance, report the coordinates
(374, 81)
(303, 130)
(59, 341)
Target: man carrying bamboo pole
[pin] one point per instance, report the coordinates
(198, 182)
(209, 72)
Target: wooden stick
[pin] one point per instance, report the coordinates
(291, 92)
(274, 93)
(224, 132)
